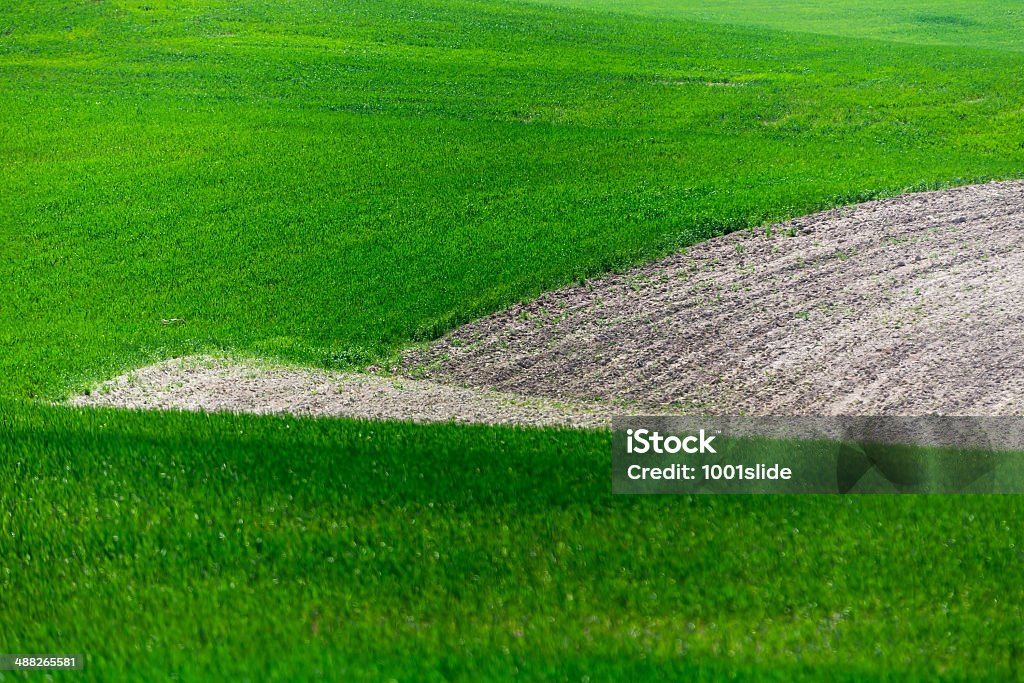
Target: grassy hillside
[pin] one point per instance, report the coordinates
(326, 182)
(992, 24)
(229, 547)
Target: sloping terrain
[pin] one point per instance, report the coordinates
(907, 306)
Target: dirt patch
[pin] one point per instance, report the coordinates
(209, 384)
(909, 306)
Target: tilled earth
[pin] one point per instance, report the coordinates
(909, 306)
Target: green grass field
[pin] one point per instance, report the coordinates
(226, 547)
(995, 24)
(326, 183)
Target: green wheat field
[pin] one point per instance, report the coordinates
(327, 182)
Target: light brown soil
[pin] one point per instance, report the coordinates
(210, 384)
(909, 306)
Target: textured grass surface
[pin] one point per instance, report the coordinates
(229, 547)
(991, 24)
(325, 182)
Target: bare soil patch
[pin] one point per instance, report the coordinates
(908, 306)
(212, 384)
